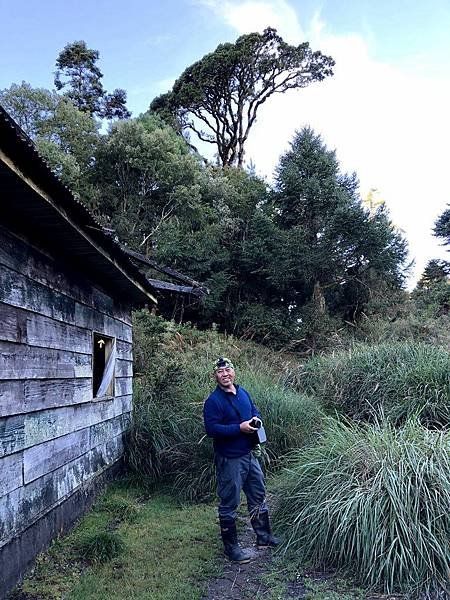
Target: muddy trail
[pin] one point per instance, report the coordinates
(263, 577)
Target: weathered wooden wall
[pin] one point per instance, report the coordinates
(54, 436)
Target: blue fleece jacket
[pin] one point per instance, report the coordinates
(222, 421)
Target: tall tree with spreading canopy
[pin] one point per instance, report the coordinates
(77, 72)
(218, 97)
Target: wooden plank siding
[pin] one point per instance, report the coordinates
(24, 505)
(54, 435)
(48, 456)
(18, 432)
(11, 473)
(17, 397)
(17, 290)
(26, 327)
(17, 254)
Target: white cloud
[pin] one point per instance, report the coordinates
(388, 125)
(254, 15)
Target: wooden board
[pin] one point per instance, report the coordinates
(52, 393)
(18, 361)
(12, 434)
(127, 404)
(11, 476)
(17, 290)
(21, 507)
(18, 397)
(50, 424)
(21, 292)
(124, 386)
(20, 256)
(124, 350)
(48, 333)
(12, 398)
(48, 456)
(107, 430)
(124, 368)
(13, 324)
(45, 458)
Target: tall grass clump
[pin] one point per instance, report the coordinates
(398, 379)
(102, 546)
(167, 442)
(373, 501)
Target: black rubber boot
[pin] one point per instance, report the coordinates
(232, 548)
(261, 525)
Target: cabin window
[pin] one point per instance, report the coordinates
(103, 365)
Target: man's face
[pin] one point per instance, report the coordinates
(225, 376)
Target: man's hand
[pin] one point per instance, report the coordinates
(246, 427)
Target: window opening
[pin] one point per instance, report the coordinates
(103, 363)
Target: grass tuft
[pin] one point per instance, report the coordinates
(100, 547)
(373, 501)
(399, 380)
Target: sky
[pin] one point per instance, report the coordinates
(385, 111)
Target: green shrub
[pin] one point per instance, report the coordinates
(373, 501)
(399, 379)
(101, 546)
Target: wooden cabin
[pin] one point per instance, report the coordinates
(66, 294)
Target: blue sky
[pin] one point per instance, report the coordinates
(385, 111)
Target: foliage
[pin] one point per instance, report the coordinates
(410, 324)
(442, 226)
(398, 379)
(338, 253)
(29, 107)
(167, 440)
(64, 136)
(280, 271)
(145, 176)
(78, 73)
(218, 97)
(432, 293)
(372, 501)
(101, 547)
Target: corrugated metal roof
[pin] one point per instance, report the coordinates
(36, 202)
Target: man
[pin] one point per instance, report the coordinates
(230, 418)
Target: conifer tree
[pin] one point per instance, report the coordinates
(78, 74)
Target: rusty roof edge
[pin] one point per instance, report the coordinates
(74, 210)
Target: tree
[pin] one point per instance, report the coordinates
(435, 271)
(29, 107)
(145, 176)
(432, 292)
(337, 251)
(78, 73)
(218, 97)
(442, 226)
(64, 136)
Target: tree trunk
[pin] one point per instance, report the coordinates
(318, 298)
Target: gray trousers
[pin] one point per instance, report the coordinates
(236, 474)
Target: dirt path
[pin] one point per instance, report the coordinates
(258, 578)
(247, 581)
